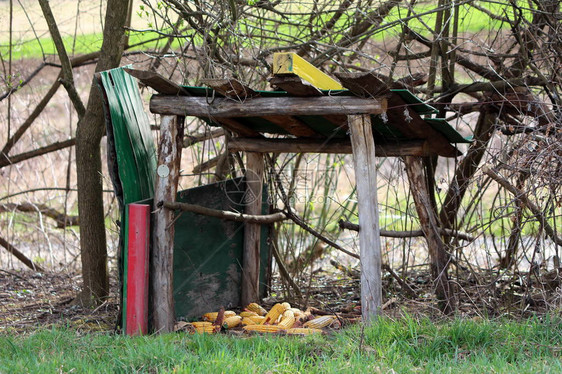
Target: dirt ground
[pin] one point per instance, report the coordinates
(30, 300)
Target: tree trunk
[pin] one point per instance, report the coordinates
(428, 222)
(88, 164)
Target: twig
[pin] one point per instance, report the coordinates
(61, 219)
(401, 281)
(522, 196)
(296, 219)
(5, 160)
(409, 234)
(226, 215)
(190, 140)
(20, 256)
(284, 273)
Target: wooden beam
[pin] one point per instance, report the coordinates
(230, 88)
(169, 152)
(252, 231)
(264, 106)
(157, 82)
(364, 84)
(294, 85)
(428, 222)
(369, 236)
(338, 146)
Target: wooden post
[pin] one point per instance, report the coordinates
(363, 145)
(428, 222)
(253, 206)
(167, 175)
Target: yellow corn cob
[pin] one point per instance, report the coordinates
(287, 320)
(248, 321)
(319, 322)
(273, 314)
(257, 319)
(253, 307)
(262, 328)
(231, 322)
(303, 331)
(211, 317)
(201, 324)
(286, 305)
(205, 329)
(247, 313)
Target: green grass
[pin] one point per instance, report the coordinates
(250, 32)
(82, 44)
(406, 345)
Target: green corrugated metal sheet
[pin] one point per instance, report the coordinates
(132, 142)
(414, 102)
(444, 128)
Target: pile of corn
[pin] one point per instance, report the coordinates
(281, 318)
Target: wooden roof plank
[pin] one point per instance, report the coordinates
(294, 85)
(159, 83)
(293, 126)
(364, 84)
(237, 127)
(231, 88)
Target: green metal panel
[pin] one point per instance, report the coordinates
(208, 251)
(133, 140)
(414, 102)
(446, 129)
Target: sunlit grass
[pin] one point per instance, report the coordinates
(405, 345)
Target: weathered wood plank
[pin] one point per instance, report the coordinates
(231, 88)
(294, 85)
(252, 231)
(364, 84)
(343, 146)
(293, 126)
(157, 82)
(169, 152)
(369, 235)
(428, 222)
(237, 127)
(264, 106)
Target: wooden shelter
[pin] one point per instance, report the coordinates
(308, 112)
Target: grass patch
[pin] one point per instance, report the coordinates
(81, 44)
(274, 31)
(405, 345)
